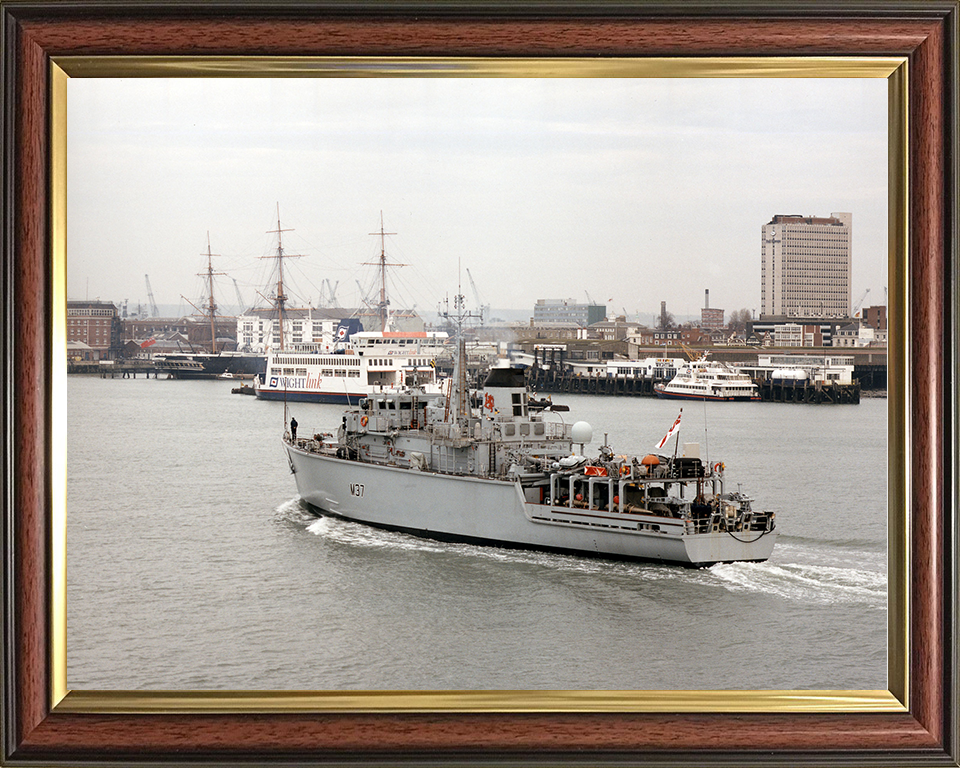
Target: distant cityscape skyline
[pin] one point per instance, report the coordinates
(635, 190)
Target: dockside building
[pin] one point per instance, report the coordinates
(805, 266)
(549, 312)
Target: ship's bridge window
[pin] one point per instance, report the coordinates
(538, 428)
(405, 405)
(524, 429)
(509, 430)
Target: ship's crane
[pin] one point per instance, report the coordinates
(153, 305)
(856, 307)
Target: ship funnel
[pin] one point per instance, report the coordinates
(505, 393)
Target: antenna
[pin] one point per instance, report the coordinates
(459, 394)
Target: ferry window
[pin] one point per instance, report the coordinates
(354, 374)
(340, 372)
(301, 371)
(509, 430)
(326, 372)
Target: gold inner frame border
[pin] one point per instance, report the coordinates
(893, 69)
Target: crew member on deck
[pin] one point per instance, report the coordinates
(293, 428)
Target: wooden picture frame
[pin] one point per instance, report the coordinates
(38, 728)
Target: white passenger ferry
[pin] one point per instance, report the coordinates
(704, 379)
(369, 363)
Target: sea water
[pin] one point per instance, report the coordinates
(191, 563)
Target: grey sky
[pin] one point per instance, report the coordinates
(631, 190)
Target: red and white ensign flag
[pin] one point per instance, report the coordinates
(673, 429)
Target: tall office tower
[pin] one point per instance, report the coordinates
(805, 267)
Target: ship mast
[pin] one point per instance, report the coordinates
(382, 263)
(281, 298)
(459, 396)
(211, 307)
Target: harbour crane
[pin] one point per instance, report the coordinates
(239, 297)
(328, 293)
(153, 305)
(364, 299)
(856, 307)
(484, 308)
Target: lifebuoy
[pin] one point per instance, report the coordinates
(718, 467)
(363, 421)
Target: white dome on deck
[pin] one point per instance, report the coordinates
(582, 432)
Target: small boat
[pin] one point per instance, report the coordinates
(705, 379)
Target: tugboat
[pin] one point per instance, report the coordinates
(433, 465)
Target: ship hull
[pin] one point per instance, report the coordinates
(209, 366)
(493, 512)
(689, 396)
(299, 396)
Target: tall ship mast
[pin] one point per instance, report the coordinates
(383, 311)
(211, 306)
(281, 297)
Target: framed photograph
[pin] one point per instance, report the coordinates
(911, 47)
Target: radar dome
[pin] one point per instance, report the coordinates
(581, 433)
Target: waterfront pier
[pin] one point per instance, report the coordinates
(551, 380)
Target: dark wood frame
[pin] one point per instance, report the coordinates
(925, 32)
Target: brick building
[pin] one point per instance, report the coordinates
(96, 324)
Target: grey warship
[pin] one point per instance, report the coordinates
(436, 466)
